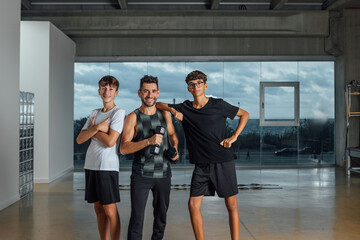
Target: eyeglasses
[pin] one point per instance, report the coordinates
(198, 84)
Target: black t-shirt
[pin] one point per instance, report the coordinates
(205, 128)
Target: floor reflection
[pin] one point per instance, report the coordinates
(314, 203)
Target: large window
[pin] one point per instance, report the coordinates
(309, 143)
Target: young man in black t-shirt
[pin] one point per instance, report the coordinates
(204, 124)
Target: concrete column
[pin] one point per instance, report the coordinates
(347, 69)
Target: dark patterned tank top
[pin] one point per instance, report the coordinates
(145, 163)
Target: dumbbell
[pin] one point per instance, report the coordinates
(171, 153)
(155, 149)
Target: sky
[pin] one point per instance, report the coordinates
(236, 82)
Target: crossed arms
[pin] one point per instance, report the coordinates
(101, 131)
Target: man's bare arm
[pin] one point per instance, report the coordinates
(165, 107)
(171, 133)
(127, 146)
(244, 117)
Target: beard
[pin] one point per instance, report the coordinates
(146, 104)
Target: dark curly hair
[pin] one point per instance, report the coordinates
(194, 75)
(149, 79)
(109, 80)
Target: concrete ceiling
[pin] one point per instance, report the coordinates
(194, 27)
(266, 5)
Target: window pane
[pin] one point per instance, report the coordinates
(241, 89)
(278, 71)
(238, 83)
(215, 77)
(279, 103)
(86, 98)
(86, 78)
(317, 113)
(279, 146)
(172, 90)
(129, 75)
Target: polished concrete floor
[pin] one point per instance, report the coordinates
(318, 203)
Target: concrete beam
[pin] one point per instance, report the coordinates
(123, 4)
(215, 4)
(334, 4)
(187, 48)
(277, 4)
(26, 4)
(131, 33)
(205, 58)
(189, 24)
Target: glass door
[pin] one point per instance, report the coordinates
(279, 123)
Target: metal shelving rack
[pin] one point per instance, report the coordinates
(26, 149)
(352, 89)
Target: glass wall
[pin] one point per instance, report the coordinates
(310, 143)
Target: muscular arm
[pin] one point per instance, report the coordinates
(126, 145)
(171, 133)
(244, 117)
(171, 130)
(165, 107)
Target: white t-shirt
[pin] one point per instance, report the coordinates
(98, 155)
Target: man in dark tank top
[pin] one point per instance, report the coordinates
(151, 168)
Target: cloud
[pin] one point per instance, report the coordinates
(173, 68)
(236, 82)
(84, 69)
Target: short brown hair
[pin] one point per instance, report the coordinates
(194, 75)
(109, 80)
(149, 79)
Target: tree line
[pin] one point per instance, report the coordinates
(314, 134)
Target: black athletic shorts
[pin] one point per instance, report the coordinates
(211, 177)
(102, 186)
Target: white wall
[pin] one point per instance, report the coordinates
(62, 55)
(47, 69)
(9, 101)
(34, 77)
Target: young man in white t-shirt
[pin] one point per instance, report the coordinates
(104, 127)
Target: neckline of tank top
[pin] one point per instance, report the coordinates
(147, 114)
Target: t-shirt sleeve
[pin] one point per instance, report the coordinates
(88, 121)
(178, 107)
(117, 121)
(228, 110)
